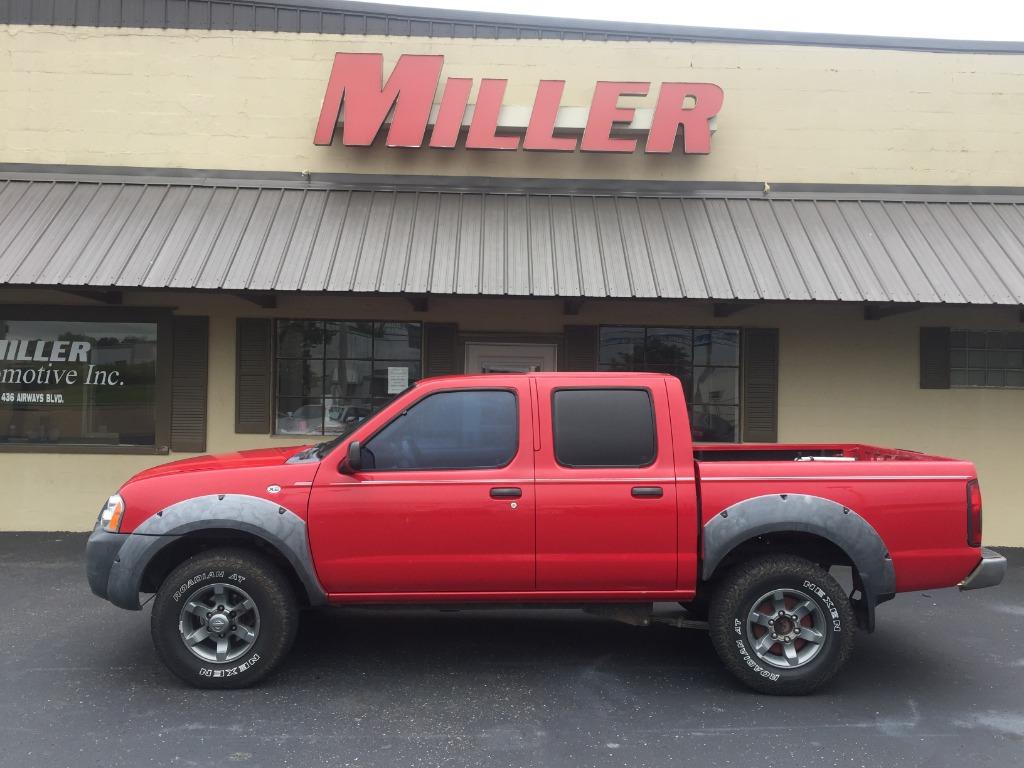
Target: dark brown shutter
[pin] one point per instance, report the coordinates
(760, 403)
(254, 376)
(440, 353)
(581, 347)
(189, 373)
(935, 358)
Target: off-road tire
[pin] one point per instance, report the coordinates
(262, 581)
(730, 616)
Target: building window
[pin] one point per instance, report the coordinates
(986, 358)
(80, 384)
(706, 360)
(333, 373)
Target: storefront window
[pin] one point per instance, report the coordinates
(706, 360)
(68, 383)
(332, 373)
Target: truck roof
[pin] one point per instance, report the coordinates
(550, 375)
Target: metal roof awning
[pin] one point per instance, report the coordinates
(242, 236)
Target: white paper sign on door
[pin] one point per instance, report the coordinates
(398, 379)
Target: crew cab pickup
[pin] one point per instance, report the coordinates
(548, 489)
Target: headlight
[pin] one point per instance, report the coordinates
(111, 514)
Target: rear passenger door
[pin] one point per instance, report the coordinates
(606, 495)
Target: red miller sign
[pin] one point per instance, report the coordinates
(360, 101)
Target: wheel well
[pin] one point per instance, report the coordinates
(815, 548)
(192, 544)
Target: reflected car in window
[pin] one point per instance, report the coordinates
(707, 427)
(340, 417)
(310, 419)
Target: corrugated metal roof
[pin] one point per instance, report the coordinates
(241, 236)
(343, 17)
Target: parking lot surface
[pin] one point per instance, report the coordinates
(941, 683)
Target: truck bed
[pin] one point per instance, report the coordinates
(824, 452)
(916, 502)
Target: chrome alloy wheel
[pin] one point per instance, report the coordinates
(219, 623)
(786, 628)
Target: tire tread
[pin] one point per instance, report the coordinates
(734, 589)
(279, 598)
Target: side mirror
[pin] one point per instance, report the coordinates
(354, 461)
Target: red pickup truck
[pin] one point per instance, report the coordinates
(549, 489)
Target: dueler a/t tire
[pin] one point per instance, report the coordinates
(256, 598)
(738, 618)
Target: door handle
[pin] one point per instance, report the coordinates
(506, 493)
(647, 492)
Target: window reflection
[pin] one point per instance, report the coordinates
(449, 430)
(333, 373)
(78, 383)
(706, 360)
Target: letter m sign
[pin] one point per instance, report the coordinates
(357, 86)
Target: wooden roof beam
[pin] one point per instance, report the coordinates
(729, 308)
(262, 299)
(877, 311)
(102, 296)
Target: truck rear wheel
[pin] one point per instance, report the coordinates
(782, 625)
(224, 619)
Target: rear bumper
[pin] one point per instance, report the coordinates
(987, 573)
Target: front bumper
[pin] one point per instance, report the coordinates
(116, 562)
(100, 552)
(987, 573)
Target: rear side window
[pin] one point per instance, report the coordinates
(467, 429)
(603, 427)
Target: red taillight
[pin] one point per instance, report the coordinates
(973, 514)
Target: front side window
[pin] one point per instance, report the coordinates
(332, 374)
(468, 429)
(68, 383)
(706, 360)
(603, 427)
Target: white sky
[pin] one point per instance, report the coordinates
(956, 19)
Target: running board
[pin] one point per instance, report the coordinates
(681, 622)
(642, 615)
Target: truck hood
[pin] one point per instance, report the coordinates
(246, 473)
(261, 457)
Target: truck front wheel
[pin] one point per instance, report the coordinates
(782, 625)
(224, 619)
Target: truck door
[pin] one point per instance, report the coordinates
(444, 501)
(606, 491)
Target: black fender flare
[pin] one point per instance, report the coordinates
(802, 513)
(279, 527)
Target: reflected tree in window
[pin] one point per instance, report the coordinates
(705, 360)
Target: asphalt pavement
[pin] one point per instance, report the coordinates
(941, 683)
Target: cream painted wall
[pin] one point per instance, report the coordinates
(249, 101)
(867, 392)
(241, 100)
